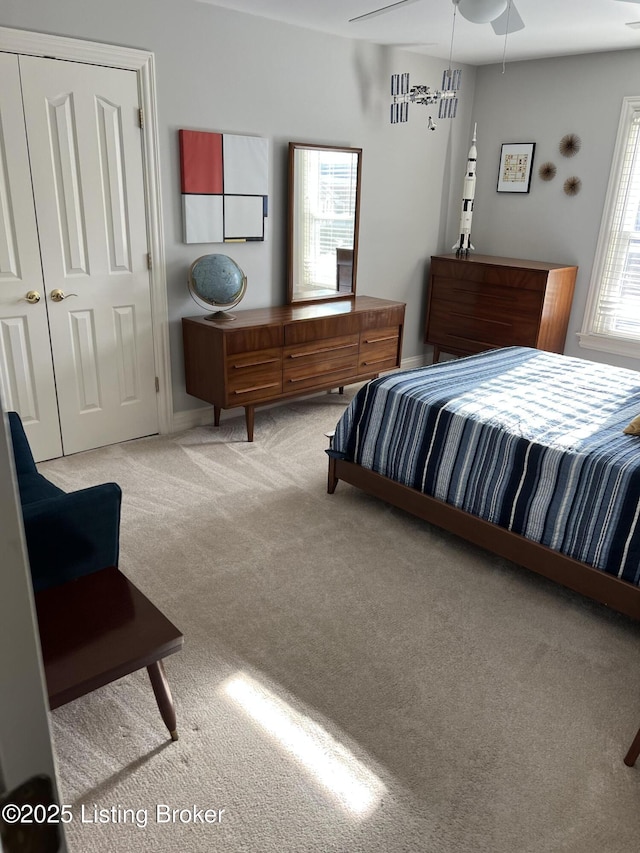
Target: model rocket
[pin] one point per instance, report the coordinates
(464, 244)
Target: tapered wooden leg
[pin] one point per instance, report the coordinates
(332, 480)
(249, 416)
(163, 697)
(216, 415)
(634, 751)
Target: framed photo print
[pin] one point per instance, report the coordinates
(516, 161)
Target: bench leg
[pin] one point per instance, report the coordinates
(634, 751)
(163, 697)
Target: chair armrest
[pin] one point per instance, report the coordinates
(21, 451)
(73, 534)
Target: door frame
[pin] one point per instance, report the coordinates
(143, 63)
(26, 746)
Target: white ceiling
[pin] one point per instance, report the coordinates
(552, 27)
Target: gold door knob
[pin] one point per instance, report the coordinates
(32, 297)
(58, 295)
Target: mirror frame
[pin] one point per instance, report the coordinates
(292, 299)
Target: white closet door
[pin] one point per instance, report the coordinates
(85, 150)
(26, 370)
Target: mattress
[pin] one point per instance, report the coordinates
(529, 440)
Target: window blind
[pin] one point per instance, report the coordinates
(328, 186)
(617, 310)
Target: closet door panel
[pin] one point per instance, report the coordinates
(86, 163)
(26, 370)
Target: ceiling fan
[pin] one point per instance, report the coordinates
(502, 14)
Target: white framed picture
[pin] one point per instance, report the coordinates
(516, 161)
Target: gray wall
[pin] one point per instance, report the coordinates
(220, 70)
(224, 71)
(540, 102)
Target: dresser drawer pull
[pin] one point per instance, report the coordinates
(255, 363)
(481, 319)
(476, 342)
(377, 361)
(257, 388)
(315, 376)
(507, 297)
(379, 340)
(320, 351)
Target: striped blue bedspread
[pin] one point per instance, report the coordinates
(529, 440)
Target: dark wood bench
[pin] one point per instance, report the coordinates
(98, 628)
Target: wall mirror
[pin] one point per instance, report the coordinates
(324, 207)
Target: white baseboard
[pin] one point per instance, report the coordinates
(204, 416)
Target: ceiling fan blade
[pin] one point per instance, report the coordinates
(509, 21)
(382, 11)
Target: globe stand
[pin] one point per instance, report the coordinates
(216, 281)
(220, 315)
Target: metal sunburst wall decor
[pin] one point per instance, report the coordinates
(547, 171)
(570, 145)
(572, 186)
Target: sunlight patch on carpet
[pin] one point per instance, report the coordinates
(356, 788)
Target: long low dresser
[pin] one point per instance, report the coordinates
(483, 302)
(268, 354)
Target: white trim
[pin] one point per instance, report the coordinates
(604, 343)
(586, 337)
(143, 63)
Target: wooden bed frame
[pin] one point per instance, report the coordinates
(619, 595)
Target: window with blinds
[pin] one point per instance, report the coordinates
(612, 321)
(328, 183)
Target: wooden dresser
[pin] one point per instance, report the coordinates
(484, 302)
(270, 354)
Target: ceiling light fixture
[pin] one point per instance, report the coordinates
(481, 11)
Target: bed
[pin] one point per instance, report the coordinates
(517, 450)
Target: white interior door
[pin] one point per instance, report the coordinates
(26, 369)
(85, 153)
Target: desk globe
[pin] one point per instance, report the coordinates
(217, 281)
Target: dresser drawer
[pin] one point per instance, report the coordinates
(382, 319)
(253, 376)
(449, 326)
(256, 338)
(456, 269)
(318, 363)
(379, 349)
(502, 274)
(331, 326)
(486, 300)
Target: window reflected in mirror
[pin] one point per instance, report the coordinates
(324, 194)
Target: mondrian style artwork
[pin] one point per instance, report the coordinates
(224, 186)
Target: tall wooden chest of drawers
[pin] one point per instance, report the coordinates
(484, 302)
(269, 354)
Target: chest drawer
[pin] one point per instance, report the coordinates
(487, 301)
(253, 376)
(473, 333)
(379, 349)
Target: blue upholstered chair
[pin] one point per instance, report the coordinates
(68, 534)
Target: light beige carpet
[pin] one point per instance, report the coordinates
(352, 679)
